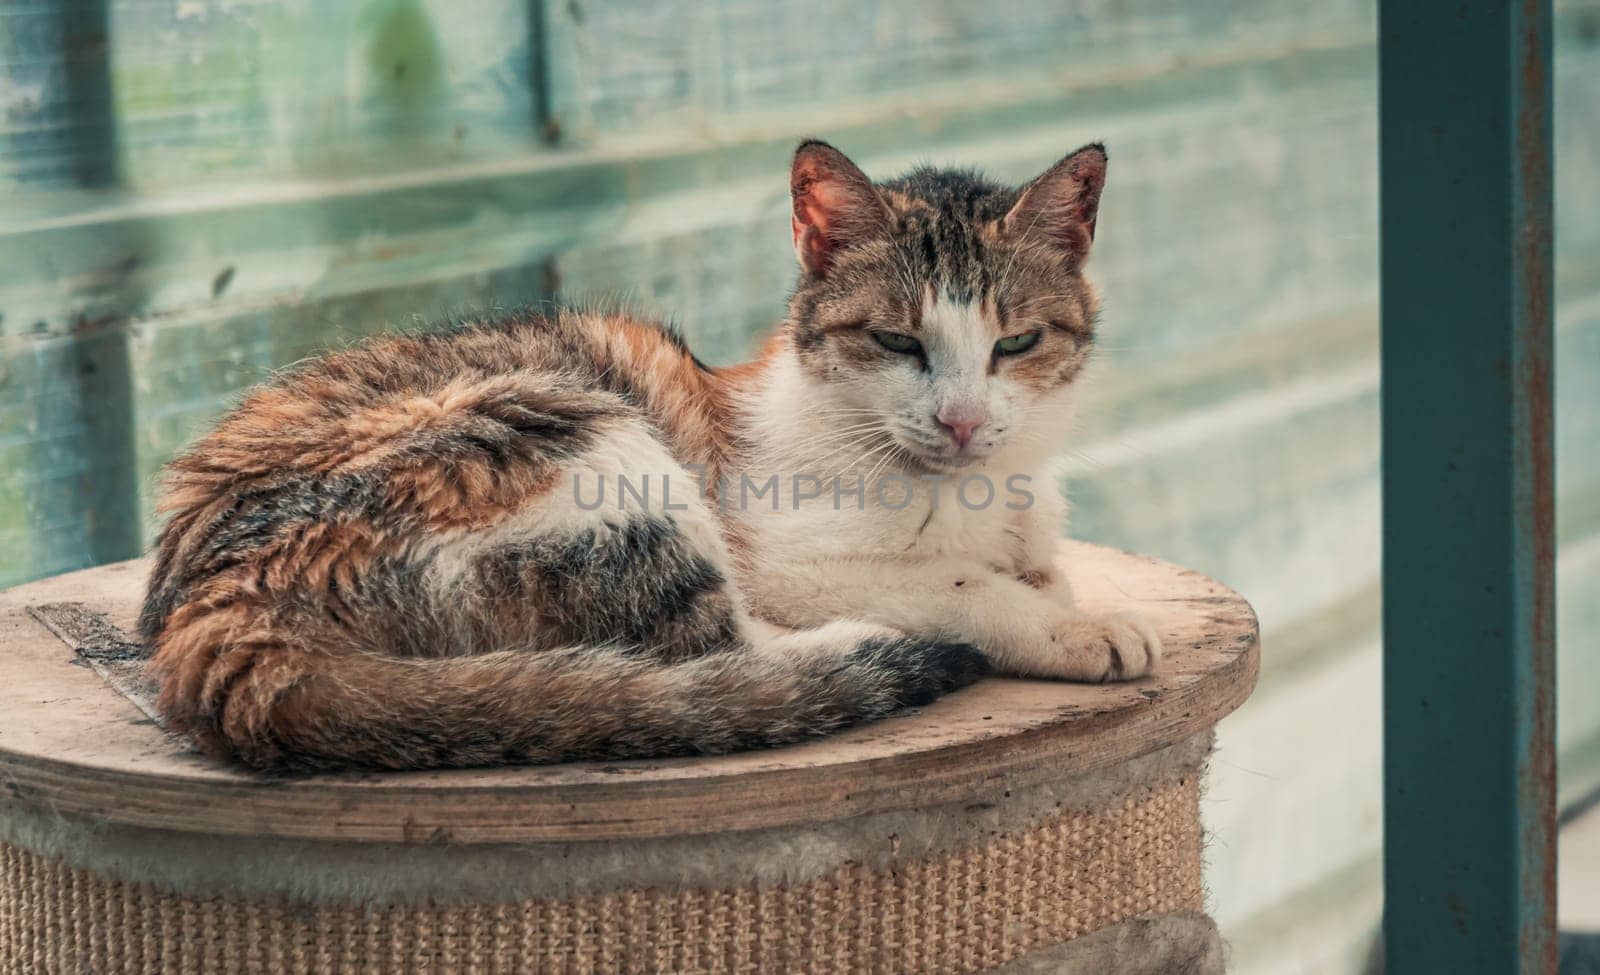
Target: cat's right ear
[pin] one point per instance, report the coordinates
(835, 205)
(1060, 207)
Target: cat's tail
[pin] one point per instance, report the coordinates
(297, 710)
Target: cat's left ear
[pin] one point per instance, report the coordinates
(835, 205)
(1061, 205)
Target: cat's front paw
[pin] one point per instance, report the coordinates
(1115, 646)
(1133, 647)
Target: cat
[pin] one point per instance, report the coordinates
(440, 549)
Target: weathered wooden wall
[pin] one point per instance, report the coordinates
(193, 192)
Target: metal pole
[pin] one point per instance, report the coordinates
(1468, 538)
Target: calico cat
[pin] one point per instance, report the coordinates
(443, 549)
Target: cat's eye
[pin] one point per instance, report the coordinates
(1016, 344)
(895, 342)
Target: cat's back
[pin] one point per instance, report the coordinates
(342, 461)
(453, 395)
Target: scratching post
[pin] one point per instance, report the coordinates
(1016, 826)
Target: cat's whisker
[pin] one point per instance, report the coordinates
(861, 460)
(817, 460)
(857, 442)
(1005, 275)
(908, 276)
(895, 452)
(817, 414)
(1038, 298)
(856, 422)
(887, 442)
(838, 440)
(834, 436)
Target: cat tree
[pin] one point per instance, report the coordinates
(1017, 826)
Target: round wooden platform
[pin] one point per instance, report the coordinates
(71, 743)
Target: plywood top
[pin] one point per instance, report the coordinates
(70, 743)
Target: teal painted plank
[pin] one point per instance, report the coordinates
(58, 123)
(228, 90)
(622, 68)
(68, 495)
(1267, 489)
(1469, 495)
(319, 236)
(189, 369)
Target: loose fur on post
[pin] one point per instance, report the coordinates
(404, 555)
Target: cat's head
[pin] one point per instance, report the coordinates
(950, 309)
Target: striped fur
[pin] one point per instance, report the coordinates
(384, 558)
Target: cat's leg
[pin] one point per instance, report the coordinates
(1021, 630)
(1039, 528)
(640, 584)
(620, 552)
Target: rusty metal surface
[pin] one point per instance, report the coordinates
(1468, 434)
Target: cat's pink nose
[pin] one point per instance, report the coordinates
(961, 421)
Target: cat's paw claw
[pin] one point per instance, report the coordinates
(1131, 647)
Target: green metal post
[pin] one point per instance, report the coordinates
(1468, 564)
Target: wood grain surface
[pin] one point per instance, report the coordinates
(71, 743)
